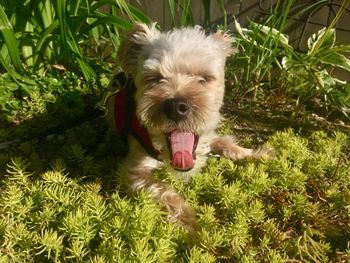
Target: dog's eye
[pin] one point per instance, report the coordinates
(205, 79)
(155, 79)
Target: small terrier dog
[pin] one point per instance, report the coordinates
(168, 107)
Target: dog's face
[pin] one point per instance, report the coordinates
(179, 77)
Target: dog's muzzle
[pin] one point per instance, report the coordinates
(182, 144)
(176, 109)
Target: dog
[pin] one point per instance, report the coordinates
(168, 109)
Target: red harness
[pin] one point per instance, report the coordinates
(126, 120)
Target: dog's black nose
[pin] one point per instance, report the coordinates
(176, 109)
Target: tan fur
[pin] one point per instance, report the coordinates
(184, 63)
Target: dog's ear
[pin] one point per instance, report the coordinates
(225, 42)
(133, 43)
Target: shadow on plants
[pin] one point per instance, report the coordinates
(63, 124)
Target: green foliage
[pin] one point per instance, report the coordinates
(292, 208)
(182, 14)
(57, 93)
(42, 39)
(309, 75)
(38, 35)
(268, 62)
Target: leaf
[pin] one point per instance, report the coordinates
(340, 48)
(330, 80)
(46, 11)
(18, 78)
(221, 4)
(43, 37)
(103, 19)
(286, 62)
(323, 39)
(206, 6)
(282, 38)
(243, 32)
(238, 27)
(139, 14)
(10, 40)
(27, 48)
(61, 13)
(337, 60)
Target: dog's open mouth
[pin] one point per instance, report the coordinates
(182, 146)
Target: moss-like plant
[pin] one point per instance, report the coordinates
(295, 207)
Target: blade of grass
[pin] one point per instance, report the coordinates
(102, 19)
(10, 40)
(172, 12)
(75, 7)
(186, 16)
(43, 38)
(331, 25)
(206, 5)
(18, 78)
(221, 4)
(114, 37)
(87, 71)
(124, 7)
(139, 15)
(45, 9)
(61, 13)
(132, 12)
(27, 48)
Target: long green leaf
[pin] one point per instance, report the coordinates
(172, 11)
(223, 10)
(336, 60)
(323, 39)
(27, 48)
(10, 40)
(46, 11)
(186, 13)
(132, 12)
(102, 19)
(17, 77)
(319, 43)
(124, 7)
(75, 7)
(43, 37)
(61, 12)
(139, 15)
(340, 48)
(88, 72)
(207, 14)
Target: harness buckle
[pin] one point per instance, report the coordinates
(118, 82)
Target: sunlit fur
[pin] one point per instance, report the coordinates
(186, 63)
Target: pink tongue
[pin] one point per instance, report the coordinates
(181, 144)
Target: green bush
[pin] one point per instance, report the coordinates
(268, 64)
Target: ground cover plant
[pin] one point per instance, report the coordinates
(66, 206)
(61, 199)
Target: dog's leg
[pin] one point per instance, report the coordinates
(138, 176)
(226, 147)
(141, 179)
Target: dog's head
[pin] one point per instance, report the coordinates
(179, 77)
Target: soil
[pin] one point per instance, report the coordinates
(259, 121)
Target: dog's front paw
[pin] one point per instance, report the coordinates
(180, 211)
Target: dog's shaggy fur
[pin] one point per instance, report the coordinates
(179, 78)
